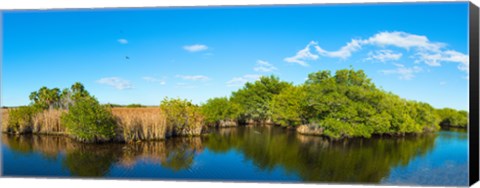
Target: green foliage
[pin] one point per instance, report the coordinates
(134, 106)
(70, 95)
(20, 119)
(254, 98)
(181, 114)
(349, 105)
(453, 118)
(88, 121)
(218, 109)
(289, 107)
(45, 98)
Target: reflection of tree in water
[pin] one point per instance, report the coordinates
(47, 146)
(180, 153)
(223, 139)
(91, 160)
(317, 159)
(311, 158)
(95, 160)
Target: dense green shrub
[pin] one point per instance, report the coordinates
(181, 114)
(254, 98)
(20, 119)
(88, 121)
(289, 107)
(219, 109)
(452, 118)
(348, 104)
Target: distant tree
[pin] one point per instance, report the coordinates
(134, 106)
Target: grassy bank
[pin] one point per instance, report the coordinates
(131, 124)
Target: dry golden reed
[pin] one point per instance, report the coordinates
(140, 124)
(48, 122)
(133, 124)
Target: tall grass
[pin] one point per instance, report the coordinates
(135, 124)
(132, 124)
(45, 122)
(48, 122)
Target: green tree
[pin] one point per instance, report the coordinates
(348, 104)
(45, 98)
(69, 96)
(254, 98)
(181, 114)
(20, 119)
(289, 107)
(452, 118)
(88, 121)
(219, 109)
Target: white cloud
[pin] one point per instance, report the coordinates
(154, 80)
(122, 41)
(193, 77)
(116, 82)
(240, 81)
(195, 47)
(264, 66)
(403, 40)
(384, 56)
(303, 55)
(344, 52)
(426, 51)
(403, 72)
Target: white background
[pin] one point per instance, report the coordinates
(64, 183)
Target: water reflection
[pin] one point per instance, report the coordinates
(312, 159)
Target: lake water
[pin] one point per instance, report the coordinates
(259, 154)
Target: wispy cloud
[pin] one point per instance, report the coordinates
(436, 58)
(193, 77)
(195, 47)
(122, 41)
(264, 66)
(344, 52)
(154, 80)
(116, 82)
(383, 56)
(303, 55)
(426, 51)
(240, 81)
(403, 72)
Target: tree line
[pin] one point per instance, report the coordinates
(346, 104)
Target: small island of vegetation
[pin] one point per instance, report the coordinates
(344, 105)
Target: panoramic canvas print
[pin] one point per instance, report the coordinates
(343, 94)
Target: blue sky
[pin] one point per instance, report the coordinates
(418, 51)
